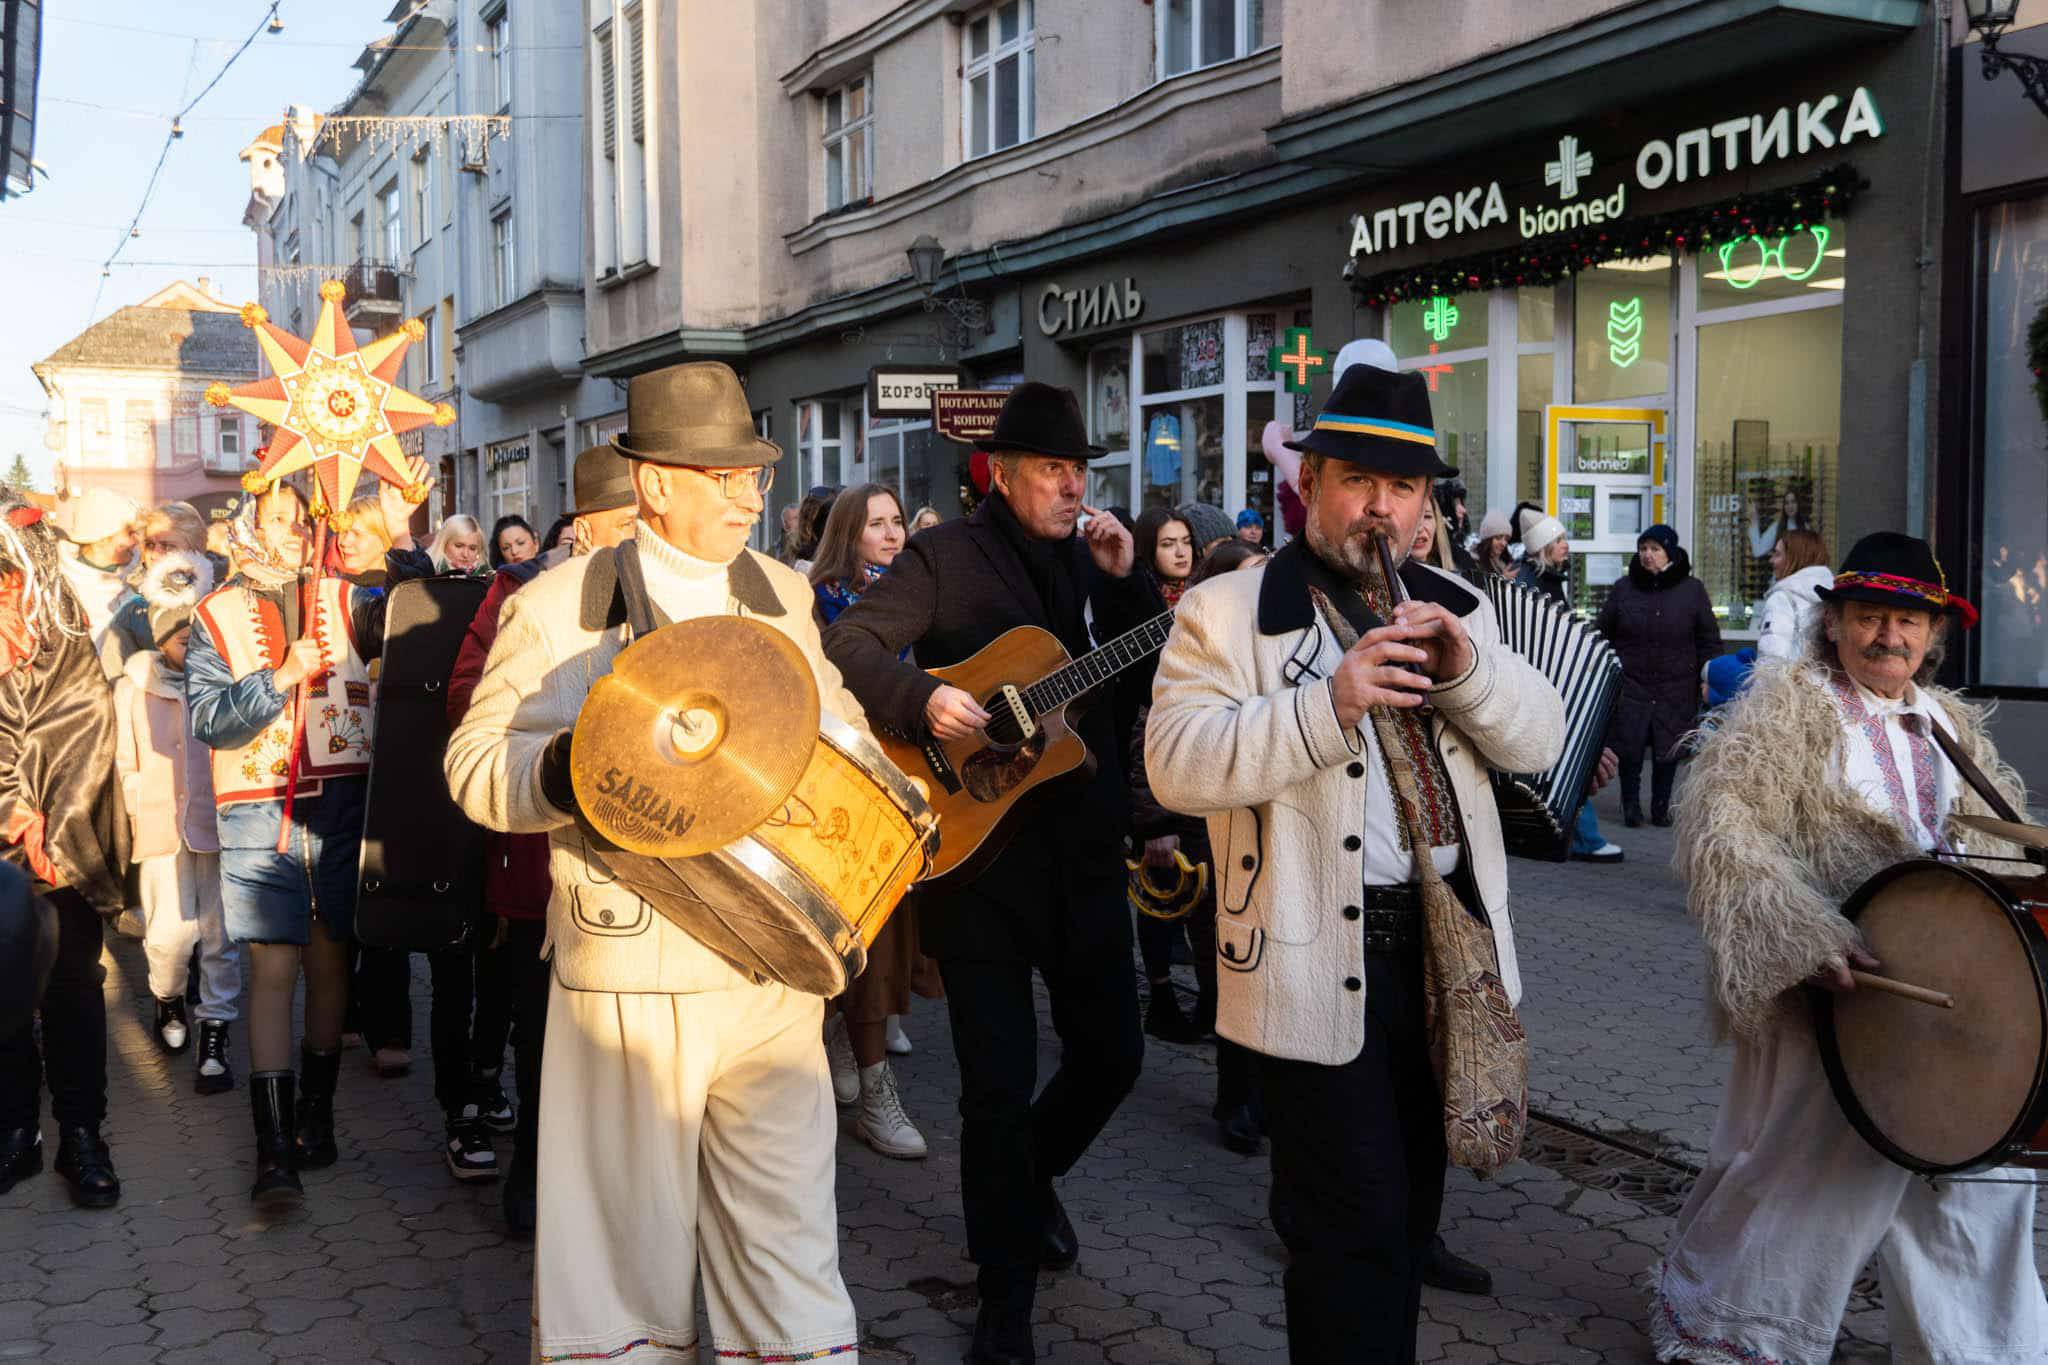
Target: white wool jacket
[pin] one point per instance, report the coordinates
(1788, 612)
(559, 634)
(1243, 731)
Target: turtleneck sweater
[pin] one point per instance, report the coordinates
(682, 585)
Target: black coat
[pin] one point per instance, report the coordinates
(953, 590)
(1663, 627)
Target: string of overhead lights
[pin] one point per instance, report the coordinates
(409, 132)
(271, 23)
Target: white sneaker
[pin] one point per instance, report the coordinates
(882, 1123)
(839, 1052)
(895, 1039)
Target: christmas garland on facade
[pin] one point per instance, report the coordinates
(2037, 356)
(1547, 260)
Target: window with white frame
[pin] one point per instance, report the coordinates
(358, 240)
(498, 42)
(94, 427)
(390, 225)
(507, 471)
(1198, 33)
(422, 197)
(821, 444)
(140, 419)
(849, 143)
(622, 180)
(502, 259)
(228, 445)
(996, 104)
(428, 349)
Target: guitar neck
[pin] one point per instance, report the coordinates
(1098, 666)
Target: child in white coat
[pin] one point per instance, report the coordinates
(167, 786)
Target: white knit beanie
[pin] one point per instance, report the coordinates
(1541, 534)
(1495, 523)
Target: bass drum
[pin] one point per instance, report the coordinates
(1946, 1091)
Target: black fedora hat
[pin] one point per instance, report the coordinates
(1893, 569)
(1378, 418)
(1042, 419)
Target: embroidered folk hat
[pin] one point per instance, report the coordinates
(694, 414)
(1894, 569)
(604, 481)
(1042, 419)
(1381, 419)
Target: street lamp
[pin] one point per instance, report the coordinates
(926, 256)
(1988, 20)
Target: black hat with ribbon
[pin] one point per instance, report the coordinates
(1893, 569)
(1381, 419)
(695, 415)
(1042, 419)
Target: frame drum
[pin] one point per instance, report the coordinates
(1942, 1091)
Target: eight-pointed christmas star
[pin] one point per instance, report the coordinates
(337, 409)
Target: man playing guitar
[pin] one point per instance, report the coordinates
(1053, 899)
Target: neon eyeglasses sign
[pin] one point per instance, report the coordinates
(1748, 261)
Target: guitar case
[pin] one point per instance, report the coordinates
(421, 877)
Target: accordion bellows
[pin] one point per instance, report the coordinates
(1537, 810)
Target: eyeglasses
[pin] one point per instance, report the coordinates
(734, 482)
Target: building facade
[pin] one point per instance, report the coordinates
(127, 401)
(432, 192)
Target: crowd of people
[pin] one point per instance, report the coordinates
(191, 718)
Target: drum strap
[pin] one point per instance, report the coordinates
(633, 588)
(1972, 774)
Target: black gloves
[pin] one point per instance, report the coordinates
(554, 775)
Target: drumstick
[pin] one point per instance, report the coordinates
(1904, 990)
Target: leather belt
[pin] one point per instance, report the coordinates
(1393, 918)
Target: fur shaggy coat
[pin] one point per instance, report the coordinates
(1771, 845)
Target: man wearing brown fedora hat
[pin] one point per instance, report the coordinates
(687, 1126)
(1054, 898)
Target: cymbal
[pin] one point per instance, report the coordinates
(2027, 836)
(695, 737)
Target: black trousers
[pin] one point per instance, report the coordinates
(477, 986)
(380, 998)
(1358, 1179)
(1662, 776)
(1012, 1145)
(72, 1060)
(525, 975)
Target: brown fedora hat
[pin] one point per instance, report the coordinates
(604, 481)
(694, 414)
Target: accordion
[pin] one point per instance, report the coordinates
(1537, 810)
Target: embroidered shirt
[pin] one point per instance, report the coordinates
(1889, 757)
(684, 586)
(1388, 859)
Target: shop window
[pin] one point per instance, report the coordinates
(1533, 391)
(1798, 264)
(996, 107)
(1182, 459)
(1457, 404)
(507, 471)
(1621, 332)
(1109, 424)
(2012, 588)
(1767, 434)
(849, 144)
(1441, 323)
(1197, 33)
(1181, 358)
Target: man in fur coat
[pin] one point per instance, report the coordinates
(1824, 773)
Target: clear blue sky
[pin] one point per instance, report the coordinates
(113, 73)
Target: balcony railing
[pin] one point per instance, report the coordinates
(373, 291)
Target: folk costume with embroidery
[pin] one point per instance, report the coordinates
(1813, 784)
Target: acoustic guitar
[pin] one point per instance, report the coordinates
(1025, 680)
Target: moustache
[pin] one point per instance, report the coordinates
(1876, 652)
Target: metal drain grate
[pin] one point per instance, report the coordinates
(1599, 1162)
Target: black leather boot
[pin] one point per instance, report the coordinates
(21, 1155)
(277, 1172)
(1061, 1247)
(1163, 1017)
(521, 1198)
(1632, 816)
(1002, 1326)
(88, 1167)
(1442, 1270)
(314, 1142)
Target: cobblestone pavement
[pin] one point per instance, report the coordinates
(390, 1260)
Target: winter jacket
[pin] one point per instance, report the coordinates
(1788, 612)
(1243, 730)
(1553, 585)
(166, 774)
(516, 881)
(1663, 627)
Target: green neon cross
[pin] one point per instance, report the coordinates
(1294, 362)
(1440, 317)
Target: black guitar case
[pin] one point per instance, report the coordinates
(421, 881)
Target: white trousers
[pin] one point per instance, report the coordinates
(1792, 1206)
(679, 1135)
(181, 907)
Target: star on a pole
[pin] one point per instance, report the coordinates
(337, 407)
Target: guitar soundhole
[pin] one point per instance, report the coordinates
(1002, 731)
(991, 774)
